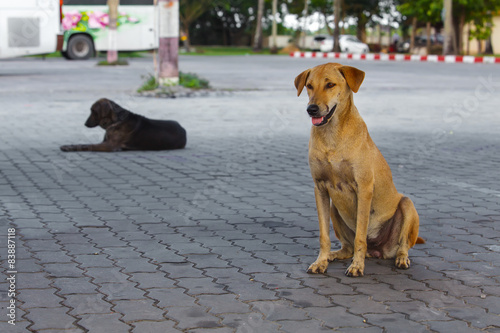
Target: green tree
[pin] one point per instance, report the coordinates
(477, 12)
(428, 11)
(364, 11)
(189, 12)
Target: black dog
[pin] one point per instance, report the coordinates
(128, 131)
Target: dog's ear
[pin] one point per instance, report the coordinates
(117, 112)
(300, 81)
(353, 76)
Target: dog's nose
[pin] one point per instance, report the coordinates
(312, 109)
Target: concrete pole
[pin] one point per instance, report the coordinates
(274, 46)
(168, 52)
(112, 37)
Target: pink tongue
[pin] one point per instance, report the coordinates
(317, 121)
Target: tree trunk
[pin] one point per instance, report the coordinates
(428, 29)
(330, 31)
(361, 30)
(274, 46)
(257, 42)
(468, 39)
(187, 41)
(460, 33)
(379, 28)
(336, 29)
(413, 33)
(449, 46)
(343, 17)
(305, 13)
(112, 56)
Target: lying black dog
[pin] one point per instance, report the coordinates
(128, 131)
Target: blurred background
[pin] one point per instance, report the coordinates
(86, 27)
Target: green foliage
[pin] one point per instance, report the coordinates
(188, 80)
(477, 12)
(192, 81)
(149, 84)
(423, 10)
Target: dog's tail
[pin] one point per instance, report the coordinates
(420, 240)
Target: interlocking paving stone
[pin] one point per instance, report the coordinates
(20, 327)
(451, 326)
(197, 286)
(193, 317)
(87, 304)
(171, 297)
(49, 318)
(250, 322)
(218, 237)
(138, 310)
(280, 310)
(39, 298)
(121, 291)
(360, 304)
(291, 326)
(390, 323)
(225, 303)
(102, 323)
(74, 286)
(154, 327)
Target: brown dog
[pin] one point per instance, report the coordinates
(128, 131)
(353, 182)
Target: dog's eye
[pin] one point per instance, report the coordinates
(330, 85)
(309, 86)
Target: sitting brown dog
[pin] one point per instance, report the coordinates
(128, 131)
(352, 181)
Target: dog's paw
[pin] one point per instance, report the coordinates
(403, 262)
(355, 270)
(65, 148)
(318, 267)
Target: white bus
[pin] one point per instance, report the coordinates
(85, 24)
(30, 27)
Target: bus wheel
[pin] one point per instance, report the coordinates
(80, 47)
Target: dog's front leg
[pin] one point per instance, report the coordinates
(323, 207)
(364, 195)
(101, 147)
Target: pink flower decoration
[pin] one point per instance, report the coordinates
(133, 19)
(98, 20)
(71, 19)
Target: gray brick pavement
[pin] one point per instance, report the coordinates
(217, 237)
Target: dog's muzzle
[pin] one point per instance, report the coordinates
(313, 111)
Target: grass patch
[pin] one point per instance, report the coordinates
(119, 62)
(187, 80)
(149, 84)
(223, 51)
(193, 81)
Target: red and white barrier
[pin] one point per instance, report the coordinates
(397, 57)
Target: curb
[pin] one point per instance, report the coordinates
(398, 57)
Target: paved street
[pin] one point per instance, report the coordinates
(217, 237)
